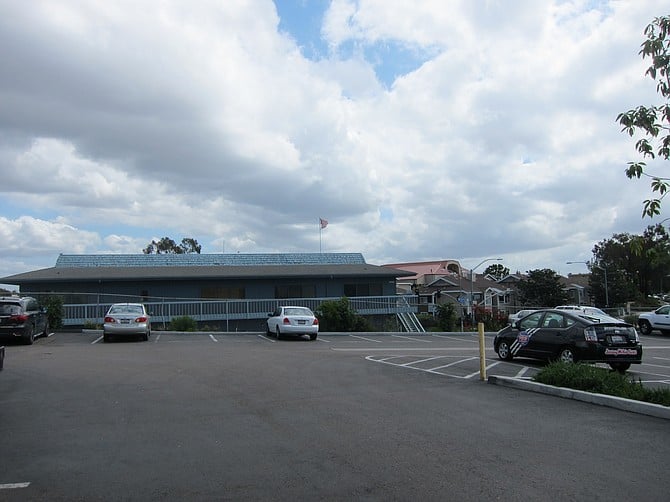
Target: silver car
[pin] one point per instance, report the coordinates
(292, 321)
(124, 319)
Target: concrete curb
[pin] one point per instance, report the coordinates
(654, 410)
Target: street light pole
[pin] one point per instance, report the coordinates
(472, 284)
(604, 269)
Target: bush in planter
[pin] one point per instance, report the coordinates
(183, 323)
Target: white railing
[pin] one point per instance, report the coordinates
(162, 311)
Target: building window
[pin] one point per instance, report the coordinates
(223, 292)
(352, 290)
(295, 291)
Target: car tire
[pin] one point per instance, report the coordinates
(105, 337)
(29, 339)
(504, 351)
(145, 337)
(268, 333)
(620, 367)
(567, 355)
(278, 333)
(645, 327)
(313, 337)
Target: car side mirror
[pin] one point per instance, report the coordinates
(515, 325)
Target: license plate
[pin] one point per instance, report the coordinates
(618, 339)
(125, 321)
(301, 322)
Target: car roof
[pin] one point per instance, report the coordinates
(594, 318)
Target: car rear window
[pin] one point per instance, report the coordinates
(297, 311)
(9, 309)
(126, 309)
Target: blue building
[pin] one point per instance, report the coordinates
(236, 286)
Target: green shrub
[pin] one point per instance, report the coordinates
(590, 378)
(337, 315)
(54, 306)
(91, 325)
(446, 316)
(183, 323)
(631, 319)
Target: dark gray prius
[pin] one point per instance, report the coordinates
(570, 337)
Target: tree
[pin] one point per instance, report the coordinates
(168, 246)
(497, 270)
(653, 121)
(541, 288)
(636, 266)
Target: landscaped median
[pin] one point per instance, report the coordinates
(588, 383)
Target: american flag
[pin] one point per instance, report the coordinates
(323, 223)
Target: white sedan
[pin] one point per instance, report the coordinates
(292, 321)
(127, 319)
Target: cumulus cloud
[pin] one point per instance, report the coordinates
(124, 122)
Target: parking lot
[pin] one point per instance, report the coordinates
(218, 416)
(451, 355)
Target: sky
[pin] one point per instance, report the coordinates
(446, 129)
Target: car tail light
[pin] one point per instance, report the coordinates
(590, 334)
(110, 319)
(286, 320)
(141, 319)
(19, 318)
(316, 322)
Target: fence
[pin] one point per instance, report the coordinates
(163, 310)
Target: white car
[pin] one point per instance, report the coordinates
(584, 309)
(292, 320)
(520, 314)
(127, 319)
(659, 320)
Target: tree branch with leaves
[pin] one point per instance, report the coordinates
(652, 121)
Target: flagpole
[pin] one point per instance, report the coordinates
(320, 229)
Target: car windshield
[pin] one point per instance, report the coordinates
(297, 311)
(126, 309)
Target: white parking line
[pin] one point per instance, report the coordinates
(453, 364)
(522, 372)
(158, 337)
(367, 339)
(459, 338)
(421, 361)
(266, 338)
(212, 337)
(407, 349)
(323, 340)
(492, 365)
(414, 339)
(12, 486)
(96, 340)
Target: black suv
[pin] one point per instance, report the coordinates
(22, 317)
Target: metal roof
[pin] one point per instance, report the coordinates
(207, 260)
(70, 274)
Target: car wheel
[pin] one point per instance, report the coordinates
(278, 333)
(504, 351)
(105, 337)
(645, 327)
(312, 337)
(566, 355)
(29, 339)
(620, 367)
(145, 336)
(268, 333)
